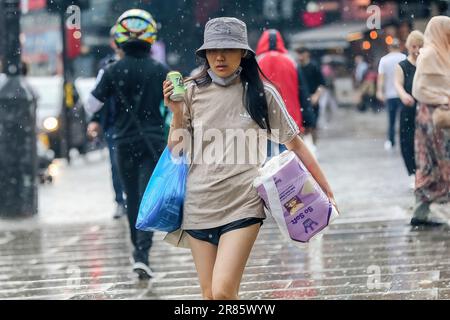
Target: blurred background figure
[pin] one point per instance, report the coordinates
(386, 91)
(431, 88)
(361, 67)
(281, 70)
(316, 84)
(134, 82)
(103, 122)
(367, 90)
(404, 75)
(327, 103)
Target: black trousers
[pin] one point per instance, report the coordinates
(136, 164)
(393, 106)
(407, 128)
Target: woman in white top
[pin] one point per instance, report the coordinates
(404, 75)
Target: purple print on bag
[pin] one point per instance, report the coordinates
(306, 208)
(309, 224)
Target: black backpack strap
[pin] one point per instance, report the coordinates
(136, 120)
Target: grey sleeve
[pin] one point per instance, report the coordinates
(283, 127)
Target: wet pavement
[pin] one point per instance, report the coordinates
(73, 249)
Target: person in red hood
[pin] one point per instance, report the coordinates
(281, 70)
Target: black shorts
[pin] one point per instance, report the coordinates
(310, 115)
(213, 235)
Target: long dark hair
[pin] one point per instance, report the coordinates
(254, 98)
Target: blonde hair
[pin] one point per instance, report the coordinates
(416, 36)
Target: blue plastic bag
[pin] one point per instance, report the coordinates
(161, 207)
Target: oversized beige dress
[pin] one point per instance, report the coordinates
(219, 187)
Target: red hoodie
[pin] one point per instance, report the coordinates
(281, 71)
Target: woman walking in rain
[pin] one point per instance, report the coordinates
(222, 210)
(431, 88)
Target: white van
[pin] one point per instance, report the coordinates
(49, 93)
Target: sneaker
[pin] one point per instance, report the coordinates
(120, 211)
(388, 145)
(144, 272)
(416, 222)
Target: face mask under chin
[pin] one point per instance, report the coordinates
(224, 82)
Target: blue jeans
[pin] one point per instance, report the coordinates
(393, 105)
(117, 184)
(274, 149)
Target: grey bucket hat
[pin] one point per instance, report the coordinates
(224, 33)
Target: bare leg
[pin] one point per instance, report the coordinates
(232, 254)
(204, 254)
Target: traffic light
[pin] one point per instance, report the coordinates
(61, 5)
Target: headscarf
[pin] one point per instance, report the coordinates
(432, 78)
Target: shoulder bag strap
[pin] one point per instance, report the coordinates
(132, 113)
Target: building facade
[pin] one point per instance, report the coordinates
(181, 24)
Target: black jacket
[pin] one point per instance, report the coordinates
(135, 85)
(105, 116)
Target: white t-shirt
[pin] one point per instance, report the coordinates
(3, 78)
(387, 67)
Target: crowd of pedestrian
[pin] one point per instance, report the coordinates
(236, 87)
(418, 86)
(414, 86)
